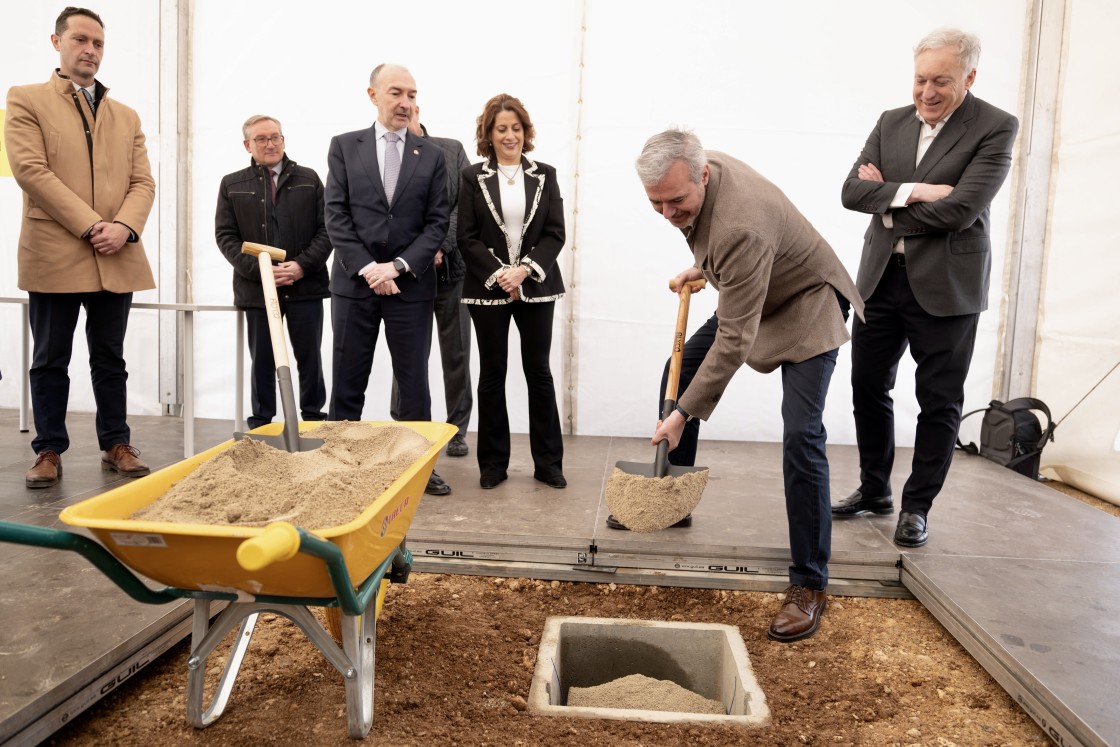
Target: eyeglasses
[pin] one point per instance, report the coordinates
(263, 141)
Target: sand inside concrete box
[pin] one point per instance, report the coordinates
(650, 504)
(643, 693)
(253, 484)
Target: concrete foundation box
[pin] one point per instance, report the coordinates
(708, 659)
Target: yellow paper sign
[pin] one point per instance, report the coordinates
(5, 167)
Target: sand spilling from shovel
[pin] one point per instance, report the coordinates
(650, 504)
(253, 484)
(643, 693)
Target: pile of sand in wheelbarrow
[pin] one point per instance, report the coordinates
(650, 504)
(253, 484)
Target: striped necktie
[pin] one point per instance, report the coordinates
(89, 98)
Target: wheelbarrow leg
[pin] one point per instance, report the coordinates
(359, 641)
(204, 639)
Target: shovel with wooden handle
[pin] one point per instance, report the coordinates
(661, 466)
(290, 440)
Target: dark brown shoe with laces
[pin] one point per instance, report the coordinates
(46, 470)
(124, 460)
(800, 614)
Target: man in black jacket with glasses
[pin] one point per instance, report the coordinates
(276, 202)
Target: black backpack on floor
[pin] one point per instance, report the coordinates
(1012, 435)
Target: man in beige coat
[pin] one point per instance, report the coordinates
(80, 159)
(781, 291)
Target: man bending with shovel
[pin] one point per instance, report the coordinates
(781, 288)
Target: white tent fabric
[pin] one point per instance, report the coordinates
(1079, 333)
(791, 88)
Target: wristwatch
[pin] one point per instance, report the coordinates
(684, 413)
(400, 266)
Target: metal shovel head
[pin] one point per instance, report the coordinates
(281, 441)
(649, 469)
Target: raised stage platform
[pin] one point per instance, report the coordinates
(1027, 579)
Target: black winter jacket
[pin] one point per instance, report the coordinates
(295, 224)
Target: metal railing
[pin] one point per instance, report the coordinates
(186, 312)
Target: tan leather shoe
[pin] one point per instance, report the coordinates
(800, 614)
(124, 460)
(46, 470)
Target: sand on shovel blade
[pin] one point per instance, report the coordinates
(650, 504)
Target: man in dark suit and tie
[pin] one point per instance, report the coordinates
(387, 214)
(927, 176)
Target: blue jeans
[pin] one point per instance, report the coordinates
(805, 468)
(804, 463)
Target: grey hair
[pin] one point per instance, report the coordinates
(666, 148)
(968, 45)
(259, 118)
(381, 68)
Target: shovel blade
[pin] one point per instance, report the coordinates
(649, 469)
(281, 442)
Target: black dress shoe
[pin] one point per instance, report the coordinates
(855, 504)
(613, 523)
(911, 530)
(552, 480)
(436, 486)
(457, 446)
(491, 480)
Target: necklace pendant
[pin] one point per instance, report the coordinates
(509, 181)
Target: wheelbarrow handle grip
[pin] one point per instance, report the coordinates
(279, 541)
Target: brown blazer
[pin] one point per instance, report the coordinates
(71, 181)
(777, 280)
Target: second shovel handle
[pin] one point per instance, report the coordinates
(272, 310)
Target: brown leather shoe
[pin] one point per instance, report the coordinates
(123, 459)
(800, 614)
(46, 470)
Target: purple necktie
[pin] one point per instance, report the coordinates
(392, 164)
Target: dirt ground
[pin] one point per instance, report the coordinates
(455, 658)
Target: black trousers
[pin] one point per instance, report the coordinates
(305, 330)
(54, 317)
(534, 325)
(408, 332)
(942, 348)
(453, 327)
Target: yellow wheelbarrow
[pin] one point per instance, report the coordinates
(279, 568)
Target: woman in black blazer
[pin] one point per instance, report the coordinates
(511, 229)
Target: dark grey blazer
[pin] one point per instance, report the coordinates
(363, 227)
(948, 244)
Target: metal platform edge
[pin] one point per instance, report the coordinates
(646, 576)
(36, 723)
(672, 563)
(1059, 723)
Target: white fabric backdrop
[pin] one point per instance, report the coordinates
(1079, 333)
(791, 88)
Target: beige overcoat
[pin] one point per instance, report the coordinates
(777, 280)
(68, 186)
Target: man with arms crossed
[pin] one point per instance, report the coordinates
(927, 176)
